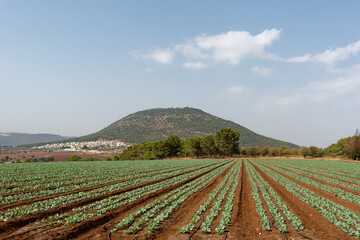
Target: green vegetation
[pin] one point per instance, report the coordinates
(148, 195)
(75, 158)
(224, 143)
(158, 124)
(345, 147)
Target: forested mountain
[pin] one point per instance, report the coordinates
(157, 124)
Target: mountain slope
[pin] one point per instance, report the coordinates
(16, 139)
(157, 124)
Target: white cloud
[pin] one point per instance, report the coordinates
(300, 59)
(261, 71)
(191, 51)
(321, 91)
(164, 56)
(234, 91)
(330, 56)
(339, 86)
(149, 69)
(194, 65)
(230, 47)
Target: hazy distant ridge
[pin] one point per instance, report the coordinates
(15, 139)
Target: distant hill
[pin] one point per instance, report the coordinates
(157, 124)
(16, 139)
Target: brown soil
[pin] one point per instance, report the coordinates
(151, 173)
(324, 174)
(352, 206)
(316, 226)
(10, 226)
(26, 202)
(182, 216)
(58, 155)
(6, 227)
(245, 223)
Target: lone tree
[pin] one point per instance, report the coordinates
(227, 141)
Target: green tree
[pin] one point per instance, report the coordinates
(337, 149)
(251, 151)
(208, 146)
(159, 148)
(304, 151)
(73, 158)
(273, 152)
(89, 159)
(173, 146)
(352, 148)
(227, 141)
(128, 154)
(315, 152)
(195, 144)
(283, 151)
(262, 150)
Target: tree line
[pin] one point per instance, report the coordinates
(346, 147)
(223, 143)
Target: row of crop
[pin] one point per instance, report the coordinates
(258, 202)
(41, 193)
(342, 170)
(100, 207)
(15, 175)
(216, 207)
(274, 211)
(348, 196)
(48, 204)
(23, 174)
(324, 178)
(229, 205)
(174, 198)
(154, 223)
(342, 217)
(268, 191)
(66, 174)
(196, 217)
(335, 173)
(104, 177)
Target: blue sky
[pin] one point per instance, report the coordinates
(285, 69)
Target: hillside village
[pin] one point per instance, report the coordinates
(81, 146)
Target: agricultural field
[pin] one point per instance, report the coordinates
(181, 199)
